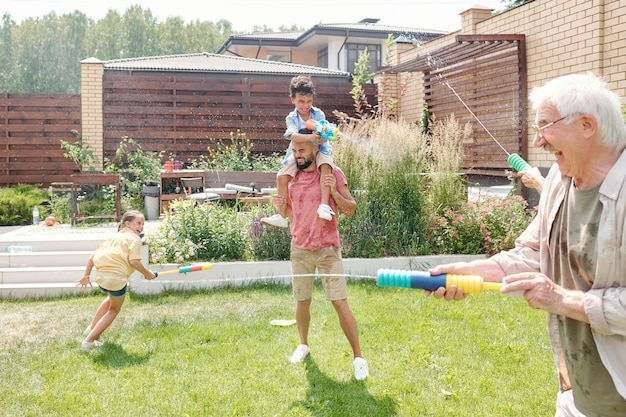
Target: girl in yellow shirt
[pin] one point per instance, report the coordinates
(115, 260)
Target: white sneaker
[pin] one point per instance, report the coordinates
(325, 212)
(300, 353)
(88, 345)
(276, 220)
(360, 369)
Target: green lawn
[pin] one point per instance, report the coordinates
(216, 354)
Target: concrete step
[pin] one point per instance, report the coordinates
(35, 259)
(37, 290)
(41, 274)
(55, 259)
(53, 243)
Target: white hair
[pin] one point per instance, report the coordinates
(577, 94)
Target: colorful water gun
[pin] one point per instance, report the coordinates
(324, 128)
(185, 269)
(422, 280)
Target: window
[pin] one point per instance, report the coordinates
(322, 58)
(278, 56)
(354, 50)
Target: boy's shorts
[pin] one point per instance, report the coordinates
(115, 293)
(329, 266)
(291, 169)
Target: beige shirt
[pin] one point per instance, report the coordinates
(112, 259)
(605, 302)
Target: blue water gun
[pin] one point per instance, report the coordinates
(326, 130)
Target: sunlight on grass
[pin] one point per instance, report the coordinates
(216, 354)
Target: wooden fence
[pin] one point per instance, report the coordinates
(185, 115)
(31, 128)
(182, 115)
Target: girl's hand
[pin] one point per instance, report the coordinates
(83, 282)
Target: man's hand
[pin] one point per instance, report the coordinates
(452, 293)
(542, 293)
(330, 181)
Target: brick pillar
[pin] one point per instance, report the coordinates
(91, 71)
(473, 16)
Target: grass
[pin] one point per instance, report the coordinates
(216, 354)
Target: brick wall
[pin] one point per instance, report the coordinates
(562, 37)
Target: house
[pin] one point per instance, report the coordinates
(335, 46)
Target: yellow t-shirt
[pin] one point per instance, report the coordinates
(112, 259)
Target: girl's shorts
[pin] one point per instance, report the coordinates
(115, 293)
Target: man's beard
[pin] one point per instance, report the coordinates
(307, 163)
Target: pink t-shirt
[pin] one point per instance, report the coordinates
(308, 231)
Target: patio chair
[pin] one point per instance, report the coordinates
(194, 189)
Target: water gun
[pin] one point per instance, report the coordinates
(422, 280)
(185, 269)
(518, 163)
(324, 128)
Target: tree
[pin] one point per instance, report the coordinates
(104, 39)
(43, 55)
(7, 74)
(509, 4)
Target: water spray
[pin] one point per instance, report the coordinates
(516, 161)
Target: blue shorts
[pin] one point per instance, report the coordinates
(115, 293)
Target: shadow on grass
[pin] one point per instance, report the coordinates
(113, 355)
(326, 397)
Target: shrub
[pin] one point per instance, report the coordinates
(204, 232)
(236, 156)
(79, 152)
(135, 167)
(61, 205)
(484, 227)
(446, 187)
(16, 204)
(411, 200)
(268, 243)
(387, 184)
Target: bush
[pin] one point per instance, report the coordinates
(16, 204)
(268, 243)
(135, 167)
(411, 200)
(387, 183)
(236, 156)
(61, 205)
(204, 232)
(484, 227)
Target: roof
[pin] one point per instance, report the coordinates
(206, 62)
(366, 28)
(458, 51)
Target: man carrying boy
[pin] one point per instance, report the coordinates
(302, 91)
(315, 245)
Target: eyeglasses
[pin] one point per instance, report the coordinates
(539, 130)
